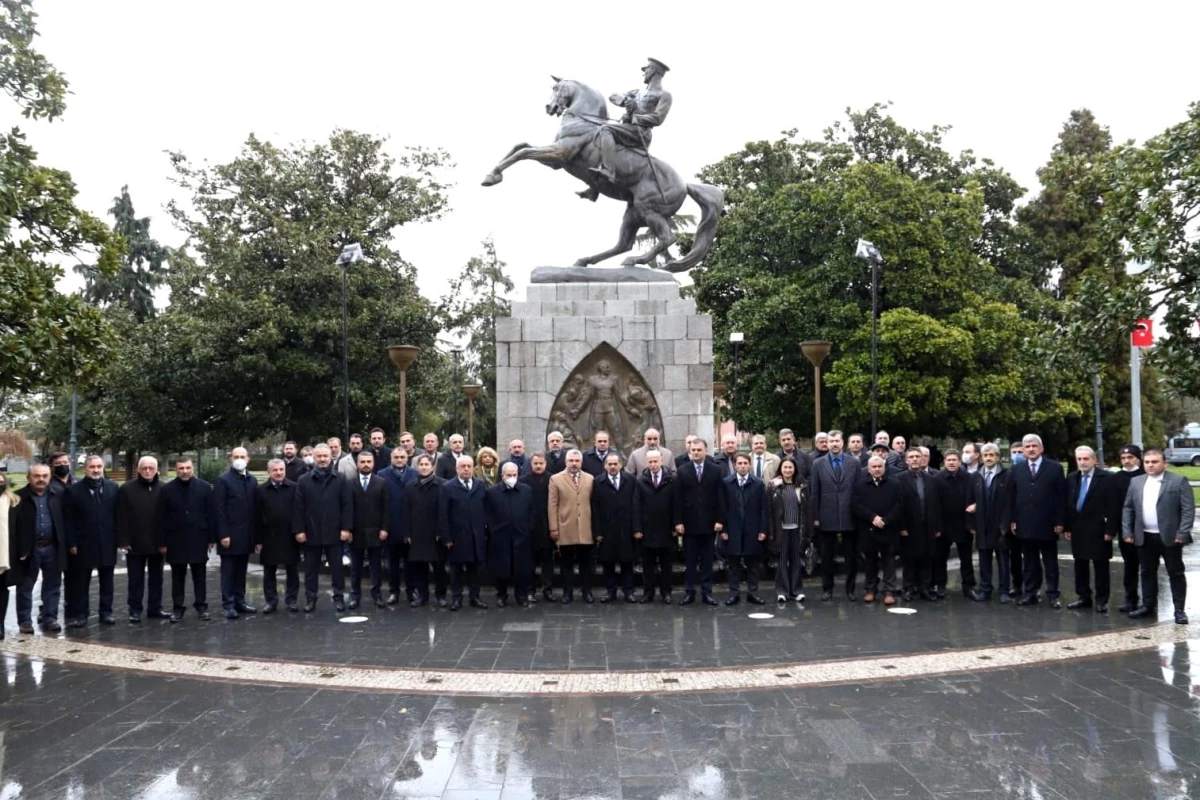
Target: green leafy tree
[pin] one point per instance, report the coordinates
(469, 310)
(257, 297)
(47, 338)
(141, 270)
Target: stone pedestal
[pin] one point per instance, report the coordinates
(560, 324)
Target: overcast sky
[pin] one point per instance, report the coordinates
(474, 78)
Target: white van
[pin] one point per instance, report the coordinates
(1183, 449)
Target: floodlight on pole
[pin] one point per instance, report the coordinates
(869, 252)
(351, 254)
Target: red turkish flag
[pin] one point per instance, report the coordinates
(1143, 333)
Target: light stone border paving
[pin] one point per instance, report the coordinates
(462, 682)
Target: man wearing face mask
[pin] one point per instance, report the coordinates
(37, 529)
(185, 535)
(306, 457)
(60, 465)
(321, 521)
(90, 517)
(508, 508)
(235, 495)
(137, 504)
(1131, 467)
(970, 458)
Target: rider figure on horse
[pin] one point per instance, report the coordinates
(645, 109)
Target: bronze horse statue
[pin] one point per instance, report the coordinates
(653, 192)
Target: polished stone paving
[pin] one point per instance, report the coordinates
(1067, 705)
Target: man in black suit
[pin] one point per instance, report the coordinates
(698, 519)
(1131, 467)
(446, 466)
(370, 531)
(234, 494)
(725, 459)
(686, 455)
(186, 531)
(508, 508)
(593, 460)
(833, 479)
(921, 527)
(876, 503)
(556, 457)
(379, 449)
(744, 535)
(278, 546)
(1039, 504)
(463, 528)
(321, 521)
(1093, 520)
(789, 449)
(987, 520)
(293, 464)
(612, 527)
(955, 491)
(654, 526)
(90, 517)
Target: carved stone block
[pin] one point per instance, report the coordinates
(670, 328)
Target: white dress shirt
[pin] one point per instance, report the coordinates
(1150, 494)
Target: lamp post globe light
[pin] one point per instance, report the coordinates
(816, 352)
(351, 254)
(402, 356)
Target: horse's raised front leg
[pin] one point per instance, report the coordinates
(552, 154)
(663, 235)
(629, 228)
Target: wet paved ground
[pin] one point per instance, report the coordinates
(1121, 725)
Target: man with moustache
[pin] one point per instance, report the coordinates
(987, 520)
(277, 545)
(462, 525)
(1093, 520)
(137, 504)
(90, 517)
(556, 457)
(878, 509)
(293, 463)
(1038, 511)
(593, 459)
(39, 529)
(789, 449)
(322, 519)
(570, 513)
(1131, 467)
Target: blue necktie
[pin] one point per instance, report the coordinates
(1083, 490)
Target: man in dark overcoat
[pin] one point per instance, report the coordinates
(137, 505)
(593, 459)
(1093, 520)
(538, 481)
(463, 527)
(743, 539)
(39, 532)
(186, 531)
(322, 517)
(833, 477)
(987, 519)
(654, 526)
(1131, 467)
(425, 550)
(698, 519)
(90, 517)
(508, 509)
(1038, 494)
(276, 497)
(878, 509)
(370, 532)
(612, 527)
(397, 476)
(954, 489)
(921, 526)
(234, 494)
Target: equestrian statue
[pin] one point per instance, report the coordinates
(613, 159)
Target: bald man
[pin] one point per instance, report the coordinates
(651, 443)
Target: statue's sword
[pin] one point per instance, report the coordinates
(650, 161)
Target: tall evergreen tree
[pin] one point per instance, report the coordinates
(142, 267)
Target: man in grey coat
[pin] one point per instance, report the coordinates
(833, 479)
(1157, 517)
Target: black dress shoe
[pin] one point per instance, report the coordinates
(608, 598)
(524, 602)
(1101, 608)
(52, 626)
(78, 622)
(851, 596)
(441, 602)
(978, 596)
(418, 603)
(629, 598)
(1028, 600)
(160, 614)
(826, 597)
(1055, 602)
(939, 593)
(380, 604)
(107, 619)
(291, 606)
(134, 619)
(1005, 598)
(231, 614)
(927, 595)
(339, 606)
(708, 600)
(548, 595)
(501, 602)
(455, 604)
(646, 597)
(204, 615)
(176, 617)
(393, 599)
(688, 599)
(1141, 612)
(475, 602)
(353, 604)
(245, 608)
(666, 599)
(1126, 607)
(733, 600)
(906, 595)
(755, 600)
(270, 608)
(1080, 604)
(568, 598)
(588, 597)
(310, 606)
(1180, 617)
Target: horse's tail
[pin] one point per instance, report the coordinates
(712, 203)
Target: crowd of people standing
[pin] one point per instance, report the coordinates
(433, 522)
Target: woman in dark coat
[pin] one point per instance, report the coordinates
(612, 526)
(424, 549)
(276, 497)
(789, 529)
(543, 546)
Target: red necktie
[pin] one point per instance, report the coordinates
(575, 479)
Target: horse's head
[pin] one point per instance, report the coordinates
(560, 97)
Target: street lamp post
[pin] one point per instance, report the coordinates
(351, 254)
(402, 356)
(457, 356)
(470, 390)
(870, 252)
(736, 338)
(816, 352)
(74, 439)
(718, 395)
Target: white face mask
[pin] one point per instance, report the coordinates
(510, 482)
(239, 464)
(308, 460)
(967, 458)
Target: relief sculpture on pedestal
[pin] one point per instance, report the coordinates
(604, 392)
